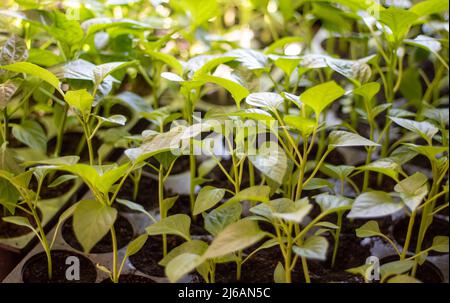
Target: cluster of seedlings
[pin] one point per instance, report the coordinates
(257, 140)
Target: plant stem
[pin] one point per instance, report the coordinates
(61, 128)
(44, 243)
(162, 210)
(337, 237)
(115, 275)
(408, 235)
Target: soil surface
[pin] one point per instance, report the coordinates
(181, 165)
(124, 233)
(130, 279)
(427, 272)
(182, 206)
(147, 259)
(10, 230)
(261, 266)
(439, 227)
(147, 194)
(36, 271)
(219, 97)
(387, 184)
(51, 192)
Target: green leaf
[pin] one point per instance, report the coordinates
(339, 138)
(424, 129)
(209, 66)
(115, 119)
(21, 221)
(412, 184)
(249, 58)
(32, 134)
(207, 198)
(9, 196)
(385, 166)
(337, 171)
(234, 237)
(297, 216)
(320, 96)
(304, 125)
(136, 245)
(430, 7)
(314, 247)
(403, 279)
(134, 206)
(271, 160)
(280, 43)
(369, 229)
(182, 265)
(197, 247)
(265, 100)
(174, 225)
(395, 268)
(258, 193)
(316, 183)
(167, 59)
(92, 220)
(414, 200)
(237, 91)
(428, 151)
(329, 202)
(80, 100)
(374, 204)
(219, 218)
(286, 63)
(34, 70)
(64, 29)
(104, 70)
(200, 11)
(66, 160)
(440, 244)
(172, 77)
(398, 20)
(160, 143)
(367, 91)
(44, 57)
(279, 275)
(61, 179)
(425, 42)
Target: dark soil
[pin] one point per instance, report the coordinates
(124, 233)
(181, 165)
(218, 178)
(426, 273)
(9, 230)
(220, 97)
(182, 206)
(439, 227)
(147, 194)
(137, 85)
(386, 185)
(116, 109)
(130, 279)
(147, 259)
(260, 267)
(36, 271)
(349, 225)
(70, 143)
(47, 192)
